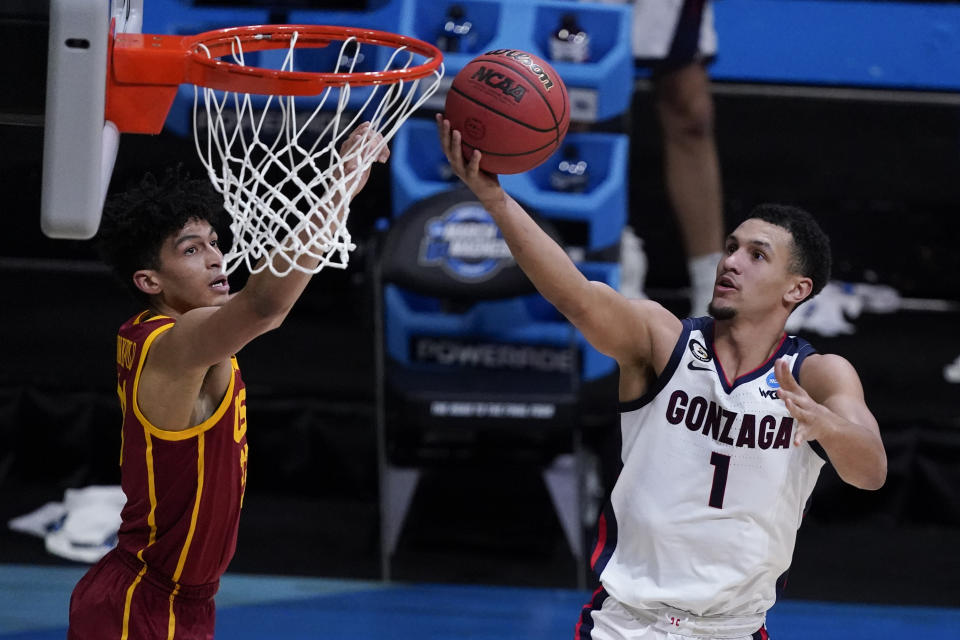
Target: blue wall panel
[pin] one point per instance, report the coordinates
(828, 42)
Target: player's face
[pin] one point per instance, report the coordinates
(190, 272)
(753, 276)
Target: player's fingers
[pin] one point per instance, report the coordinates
(799, 434)
(475, 161)
(454, 153)
(793, 407)
(442, 132)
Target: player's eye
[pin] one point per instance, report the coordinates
(189, 251)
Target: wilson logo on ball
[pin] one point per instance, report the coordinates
(525, 59)
(500, 82)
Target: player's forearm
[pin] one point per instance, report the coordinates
(273, 295)
(856, 453)
(543, 260)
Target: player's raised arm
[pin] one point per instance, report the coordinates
(830, 409)
(621, 328)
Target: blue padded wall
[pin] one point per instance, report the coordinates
(903, 45)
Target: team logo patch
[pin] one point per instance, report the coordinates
(699, 351)
(772, 381)
(466, 243)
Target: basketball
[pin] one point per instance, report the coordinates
(512, 106)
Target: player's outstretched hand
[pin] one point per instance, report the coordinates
(813, 419)
(352, 161)
(482, 184)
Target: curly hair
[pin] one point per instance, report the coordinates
(810, 253)
(136, 222)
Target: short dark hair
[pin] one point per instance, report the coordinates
(811, 246)
(137, 221)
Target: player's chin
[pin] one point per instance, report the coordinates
(720, 311)
(216, 297)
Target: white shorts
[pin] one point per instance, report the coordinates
(671, 33)
(606, 618)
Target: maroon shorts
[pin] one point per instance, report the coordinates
(118, 599)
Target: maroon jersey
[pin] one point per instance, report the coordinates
(179, 531)
(184, 488)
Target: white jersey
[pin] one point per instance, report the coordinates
(705, 511)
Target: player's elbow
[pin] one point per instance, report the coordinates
(872, 477)
(878, 477)
(264, 316)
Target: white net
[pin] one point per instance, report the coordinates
(285, 183)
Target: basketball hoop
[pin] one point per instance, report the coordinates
(280, 170)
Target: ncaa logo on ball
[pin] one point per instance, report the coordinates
(474, 129)
(500, 83)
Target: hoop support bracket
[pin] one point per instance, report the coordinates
(144, 72)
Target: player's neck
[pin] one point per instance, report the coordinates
(742, 345)
(159, 307)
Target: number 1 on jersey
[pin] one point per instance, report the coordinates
(722, 464)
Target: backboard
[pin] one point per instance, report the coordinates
(80, 148)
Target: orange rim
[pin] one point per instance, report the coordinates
(144, 70)
(209, 71)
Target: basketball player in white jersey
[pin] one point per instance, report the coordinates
(721, 444)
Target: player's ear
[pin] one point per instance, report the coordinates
(801, 289)
(146, 280)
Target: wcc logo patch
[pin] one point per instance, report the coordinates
(465, 243)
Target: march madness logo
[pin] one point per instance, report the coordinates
(465, 243)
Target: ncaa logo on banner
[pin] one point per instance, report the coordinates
(466, 243)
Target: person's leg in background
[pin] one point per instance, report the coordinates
(692, 172)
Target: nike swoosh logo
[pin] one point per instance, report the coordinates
(693, 367)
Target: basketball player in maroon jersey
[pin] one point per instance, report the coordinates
(184, 448)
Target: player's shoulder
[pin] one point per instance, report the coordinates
(655, 313)
(661, 323)
(143, 323)
(822, 370)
